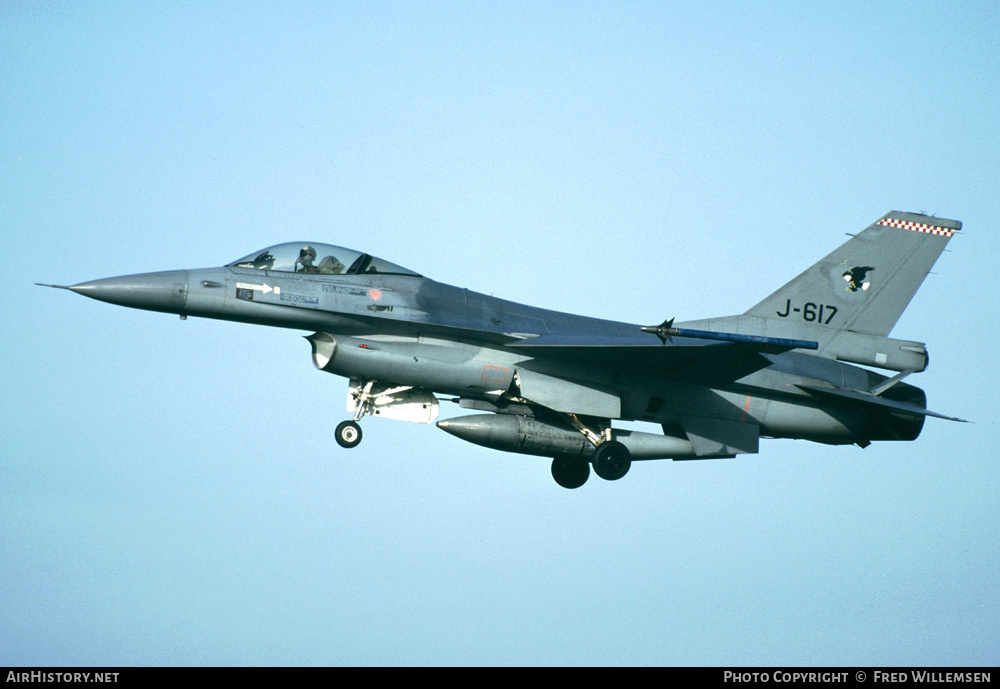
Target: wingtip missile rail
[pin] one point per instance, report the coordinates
(665, 331)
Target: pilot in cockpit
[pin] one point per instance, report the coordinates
(306, 257)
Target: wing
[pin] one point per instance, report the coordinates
(705, 358)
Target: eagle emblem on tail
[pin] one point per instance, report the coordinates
(856, 278)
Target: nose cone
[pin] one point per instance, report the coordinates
(166, 291)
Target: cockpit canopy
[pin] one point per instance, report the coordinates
(309, 257)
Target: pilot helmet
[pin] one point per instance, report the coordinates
(307, 251)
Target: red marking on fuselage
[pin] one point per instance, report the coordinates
(495, 374)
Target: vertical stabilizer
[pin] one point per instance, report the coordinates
(865, 285)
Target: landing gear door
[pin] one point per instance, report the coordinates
(403, 403)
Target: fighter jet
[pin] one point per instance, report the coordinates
(798, 364)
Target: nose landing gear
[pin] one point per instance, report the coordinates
(348, 434)
(377, 398)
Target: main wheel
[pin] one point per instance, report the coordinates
(570, 472)
(611, 460)
(348, 434)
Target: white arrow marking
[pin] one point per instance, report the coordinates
(265, 288)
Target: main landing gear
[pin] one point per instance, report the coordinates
(570, 472)
(611, 461)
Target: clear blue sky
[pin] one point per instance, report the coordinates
(170, 492)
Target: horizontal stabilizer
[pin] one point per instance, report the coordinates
(868, 398)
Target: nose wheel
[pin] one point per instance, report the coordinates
(348, 434)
